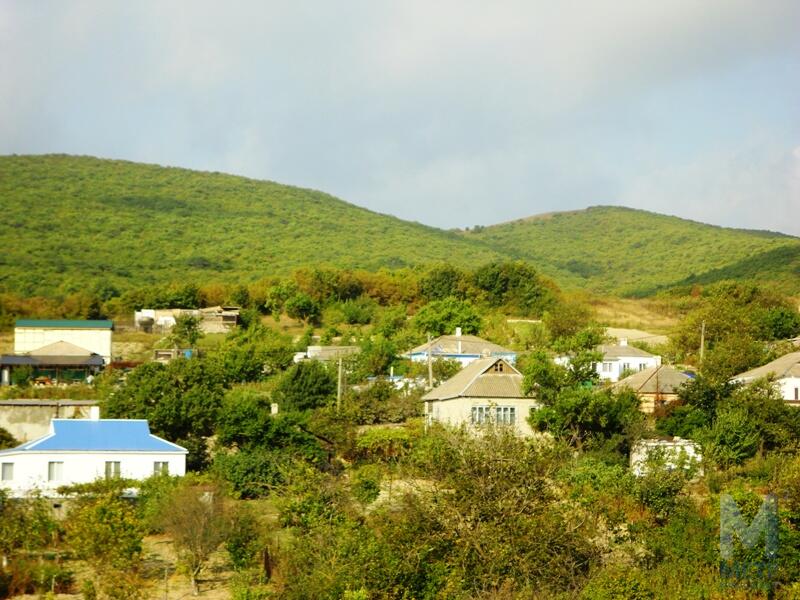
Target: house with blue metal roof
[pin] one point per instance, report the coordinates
(83, 450)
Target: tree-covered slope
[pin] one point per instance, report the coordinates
(69, 222)
(621, 250)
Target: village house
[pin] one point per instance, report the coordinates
(488, 390)
(462, 348)
(58, 350)
(213, 319)
(326, 353)
(618, 360)
(83, 450)
(785, 370)
(656, 387)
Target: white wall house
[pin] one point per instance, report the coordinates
(619, 358)
(673, 453)
(462, 348)
(83, 450)
(488, 390)
(32, 334)
(785, 370)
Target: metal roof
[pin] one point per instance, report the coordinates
(617, 351)
(461, 345)
(655, 380)
(787, 365)
(93, 360)
(65, 324)
(98, 435)
(479, 380)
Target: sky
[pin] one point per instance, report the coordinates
(450, 113)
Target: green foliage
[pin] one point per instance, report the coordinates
(252, 354)
(367, 483)
(618, 583)
(443, 281)
(383, 443)
(732, 438)
(7, 440)
(587, 417)
(381, 402)
(683, 421)
(303, 308)
(21, 375)
(190, 226)
(443, 316)
(186, 331)
(516, 286)
(181, 401)
(602, 240)
(25, 525)
(243, 538)
(305, 385)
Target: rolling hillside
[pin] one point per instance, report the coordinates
(635, 252)
(68, 221)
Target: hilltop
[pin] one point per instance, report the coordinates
(634, 252)
(71, 222)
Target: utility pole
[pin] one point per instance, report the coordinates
(702, 341)
(430, 364)
(339, 388)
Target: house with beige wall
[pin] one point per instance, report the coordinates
(656, 387)
(486, 391)
(31, 335)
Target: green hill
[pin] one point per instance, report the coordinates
(635, 252)
(69, 221)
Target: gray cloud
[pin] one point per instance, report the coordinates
(450, 113)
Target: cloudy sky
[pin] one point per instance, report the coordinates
(451, 113)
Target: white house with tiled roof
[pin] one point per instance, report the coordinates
(462, 348)
(488, 390)
(619, 358)
(786, 372)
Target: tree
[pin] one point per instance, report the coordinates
(515, 285)
(186, 331)
(306, 385)
(443, 316)
(443, 281)
(194, 517)
(303, 308)
(106, 532)
(7, 440)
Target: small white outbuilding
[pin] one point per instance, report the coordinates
(83, 450)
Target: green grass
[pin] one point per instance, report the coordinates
(634, 252)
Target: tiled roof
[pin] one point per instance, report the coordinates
(617, 351)
(655, 380)
(461, 344)
(787, 365)
(65, 324)
(99, 435)
(479, 380)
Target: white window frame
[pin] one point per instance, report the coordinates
(161, 467)
(7, 471)
(55, 470)
(606, 367)
(113, 469)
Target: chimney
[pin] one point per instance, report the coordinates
(623, 341)
(94, 413)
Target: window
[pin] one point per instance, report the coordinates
(507, 415)
(161, 468)
(480, 415)
(55, 471)
(642, 366)
(797, 393)
(8, 471)
(606, 367)
(502, 415)
(112, 469)
(498, 367)
(626, 366)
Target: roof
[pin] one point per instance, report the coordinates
(655, 380)
(787, 365)
(61, 349)
(98, 435)
(65, 324)
(617, 351)
(461, 344)
(331, 352)
(479, 380)
(93, 360)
